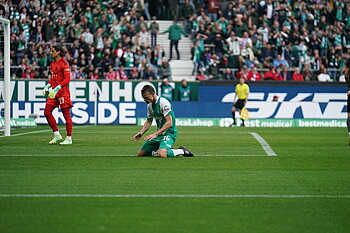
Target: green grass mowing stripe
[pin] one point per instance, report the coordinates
(175, 195)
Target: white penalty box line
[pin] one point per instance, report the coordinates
(168, 196)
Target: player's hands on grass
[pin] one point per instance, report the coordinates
(46, 89)
(137, 137)
(53, 93)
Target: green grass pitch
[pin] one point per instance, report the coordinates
(232, 185)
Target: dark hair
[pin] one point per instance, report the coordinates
(58, 47)
(147, 88)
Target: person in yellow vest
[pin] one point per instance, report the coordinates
(242, 92)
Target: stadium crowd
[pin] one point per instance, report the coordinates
(260, 39)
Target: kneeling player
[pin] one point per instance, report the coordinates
(163, 139)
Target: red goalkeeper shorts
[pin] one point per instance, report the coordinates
(60, 102)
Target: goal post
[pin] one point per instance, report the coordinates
(6, 91)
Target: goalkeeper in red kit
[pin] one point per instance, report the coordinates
(59, 95)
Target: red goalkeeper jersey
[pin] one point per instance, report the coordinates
(60, 72)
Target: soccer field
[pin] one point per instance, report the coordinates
(241, 180)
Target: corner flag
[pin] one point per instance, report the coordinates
(244, 114)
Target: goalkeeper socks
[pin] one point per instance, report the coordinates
(69, 122)
(49, 117)
(56, 133)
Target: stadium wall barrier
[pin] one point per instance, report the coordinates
(266, 114)
(84, 90)
(303, 106)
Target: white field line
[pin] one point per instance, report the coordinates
(107, 155)
(172, 196)
(40, 131)
(264, 144)
(32, 132)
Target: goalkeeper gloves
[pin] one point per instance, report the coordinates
(46, 89)
(53, 93)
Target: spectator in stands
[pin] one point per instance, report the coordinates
(278, 62)
(247, 55)
(303, 33)
(74, 72)
(240, 27)
(95, 75)
(111, 74)
(175, 32)
(128, 59)
(234, 50)
(324, 76)
(144, 37)
(165, 71)
(332, 63)
(227, 74)
(154, 29)
(81, 73)
(254, 75)
(197, 58)
(44, 74)
(107, 62)
(214, 63)
(134, 74)
(148, 74)
(28, 74)
(88, 37)
(307, 74)
(122, 74)
(285, 73)
(138, 7)
(186, 12)
(157, 55)
(268, 54)
(244, 73)
(200, 76)
(297, 76)
(272, 74)
(146, 5)
(213, 9)
(219, 45)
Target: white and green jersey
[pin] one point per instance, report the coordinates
(159, 111)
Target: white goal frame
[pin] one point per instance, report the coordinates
(6, 92)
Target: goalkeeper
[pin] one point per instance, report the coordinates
(163, 139)
(59, 95)
(242, 91)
